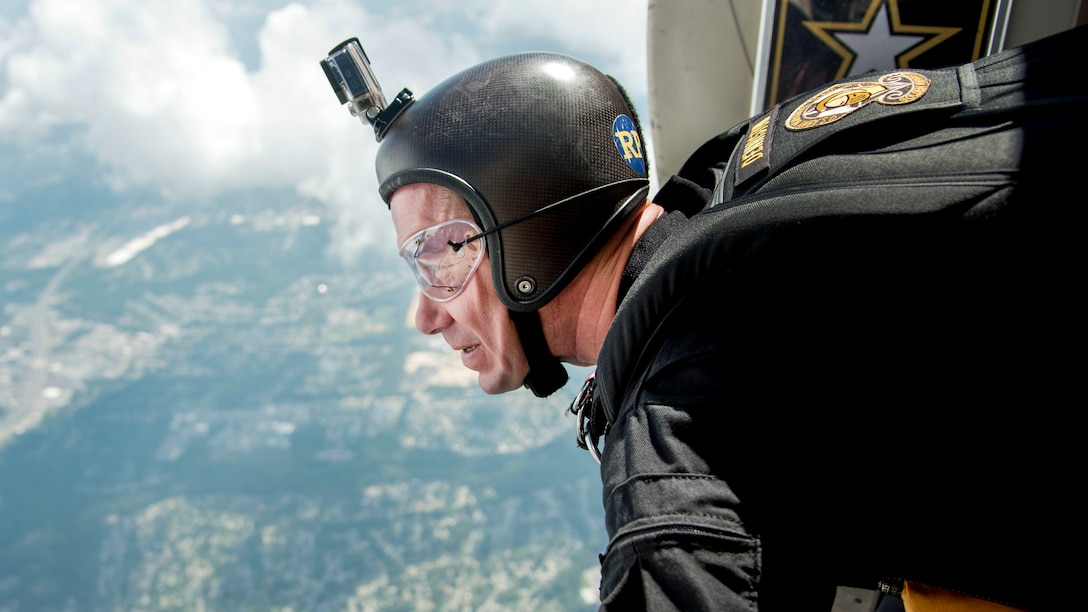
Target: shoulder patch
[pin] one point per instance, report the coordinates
(841, 99)
(755, 150)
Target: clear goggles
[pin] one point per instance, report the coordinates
(444, 257)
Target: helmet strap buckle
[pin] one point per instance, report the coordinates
(546, 373)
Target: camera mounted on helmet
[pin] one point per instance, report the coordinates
(348, 70)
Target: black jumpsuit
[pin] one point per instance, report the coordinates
(859, 363)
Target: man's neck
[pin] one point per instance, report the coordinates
(577, 320)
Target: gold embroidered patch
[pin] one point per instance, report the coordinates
(840, 100)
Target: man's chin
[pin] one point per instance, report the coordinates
(492, 385)
(495, 390)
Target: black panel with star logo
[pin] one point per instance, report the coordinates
(814, 42)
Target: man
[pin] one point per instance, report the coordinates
(833, 351)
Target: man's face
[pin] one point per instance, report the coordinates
(475, 322)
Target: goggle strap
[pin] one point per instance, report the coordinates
(457, 245)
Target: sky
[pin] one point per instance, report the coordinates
(200, 98)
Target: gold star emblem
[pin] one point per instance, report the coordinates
(881, 41)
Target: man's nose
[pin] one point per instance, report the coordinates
(431, 316)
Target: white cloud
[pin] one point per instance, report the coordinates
(611, 35)
(160, 93)
(155, 90)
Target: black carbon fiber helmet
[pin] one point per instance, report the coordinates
(547, 152)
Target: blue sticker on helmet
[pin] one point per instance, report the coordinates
(628, 143)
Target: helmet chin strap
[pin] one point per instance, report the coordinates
(546, 373)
